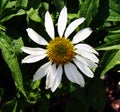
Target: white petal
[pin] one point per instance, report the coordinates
(50, 79)
(81, 35)
(73, 26)
(49, 25)
(92, 65)
(62, 21)
(83, 68)
(42, 71)
(80, 58)
(36, 37)
(87, 55)
(33, 51)
(58, 78)
(33, 58)
(86, 47)
(73, 74)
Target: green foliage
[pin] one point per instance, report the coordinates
(109, 60)
(28, 96)
(8, 53)
(33, 15)
(88, 9)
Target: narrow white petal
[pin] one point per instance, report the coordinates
(83, 68)
(42, 71)
(73, 26)
(88, 55)
(33, 58)
(58, 78)
(49, 25)
(62, 21)
(80, 58)
(50, 79)
(36, 37)
(33, 51)
(73, 74)
(81, 35)
(92, 65)
(86, 47)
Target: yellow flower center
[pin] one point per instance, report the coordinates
(60, 50)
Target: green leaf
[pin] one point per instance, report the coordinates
(112, 36)
(73, 16)
(10, 58)
(2, 27)
(88, 9)
(17, 44)
(115, 5)
(15, 107)
(8, 106)
(11, 4)
(114, 16)
(109, 60)
(3, 4)
(19, 12)
(110, 45)
(114, 9)
(22, 3)
(59, 4)
(34, 15)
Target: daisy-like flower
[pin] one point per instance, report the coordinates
(71, 56)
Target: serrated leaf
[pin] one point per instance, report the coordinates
(33, 15)
(22, 3)
(109, 60)
(115, 5)
(11, 4)
(114, 16)
(88, 9)
(17, 44)
(10, 58)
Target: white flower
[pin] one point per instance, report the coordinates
(73, 57)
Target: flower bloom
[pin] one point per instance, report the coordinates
(71, 56)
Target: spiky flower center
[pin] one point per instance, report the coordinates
(60, 50)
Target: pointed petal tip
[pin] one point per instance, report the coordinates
(34, 79)
(62, 21)
(82, 35)
(65, 8)
(49, 25)
(23, 61)
(53, 90)
(82, 18)
(82, 85)
(28, 29)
